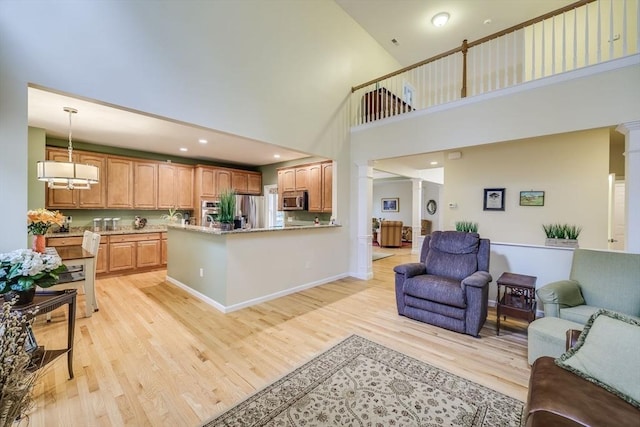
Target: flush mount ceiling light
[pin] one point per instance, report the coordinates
(440, 19)
(67, 175)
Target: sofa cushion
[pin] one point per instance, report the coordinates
(579, 314)
(436, 288)
(607, 355)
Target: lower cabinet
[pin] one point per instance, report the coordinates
(124, 253)
(102, 261)
(163, 248)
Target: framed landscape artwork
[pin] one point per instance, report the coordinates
(532, 198)
(494, 199)
(391, 205)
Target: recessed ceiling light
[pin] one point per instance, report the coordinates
(202, 141)
(184, 149)
(433, 163)
(440, 19)
(276, 156)
(487, 21)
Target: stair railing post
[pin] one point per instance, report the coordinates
(465, 48)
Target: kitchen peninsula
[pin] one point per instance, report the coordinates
(235, 269)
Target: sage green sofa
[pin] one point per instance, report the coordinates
(598, 279)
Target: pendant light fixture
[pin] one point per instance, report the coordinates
(68, 175)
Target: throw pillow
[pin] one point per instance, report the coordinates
(607, 355)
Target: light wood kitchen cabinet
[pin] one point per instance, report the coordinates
(145, 178)
(315, 188)
(288, 180)
(302, 178)
(184, 187)
(223, 181)
(254, 185)
(148, 254)
(327, 187)
(96, 196)
(119, 183)
(64, 241)
(315, 178)
(93, 198)
(102, 260)
(205, 182)
(163, 248)
(175, 186)
(133, 251)
(239, 182)
(122, 256)
(59, 199)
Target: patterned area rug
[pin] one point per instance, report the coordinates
(361, 383)
(379, 255)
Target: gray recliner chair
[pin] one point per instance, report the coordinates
(449, 287)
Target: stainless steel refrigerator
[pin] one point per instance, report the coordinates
(252, 209)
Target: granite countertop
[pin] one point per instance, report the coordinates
(79, 231)
(217, 231)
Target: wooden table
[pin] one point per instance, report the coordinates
(48, 301)
(76, 256)
(518, 297)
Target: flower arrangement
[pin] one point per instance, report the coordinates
(17, 378)
(23, 269)
(39, 220)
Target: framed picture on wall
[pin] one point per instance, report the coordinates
(391, 205)
(494, 199)
(532, 198)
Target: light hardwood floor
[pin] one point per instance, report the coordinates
(155, 356)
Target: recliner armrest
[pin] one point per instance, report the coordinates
(477, 279)
(410, 269)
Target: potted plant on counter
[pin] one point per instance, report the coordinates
(227, 210)
(173, 216)
(562, 235)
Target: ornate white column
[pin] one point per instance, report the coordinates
(364, 269)
(416, 215)
(631, 131)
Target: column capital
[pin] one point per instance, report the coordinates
(625, 128)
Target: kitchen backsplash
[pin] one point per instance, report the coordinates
(84, 217)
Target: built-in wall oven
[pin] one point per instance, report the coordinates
(210, 211)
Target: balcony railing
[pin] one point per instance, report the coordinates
(584, 33)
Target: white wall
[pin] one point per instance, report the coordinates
(401, 189)
(572, 169)
(277, 71)
(432, 191)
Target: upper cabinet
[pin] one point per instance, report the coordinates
(145, 177)
(175, 186)
(93, 198)
(315, 178)
(211, 181)
(119, 183)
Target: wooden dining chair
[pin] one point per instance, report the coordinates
(76, 276)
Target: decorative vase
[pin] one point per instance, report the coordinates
(226, 226)
(24, 297)
(39, 242)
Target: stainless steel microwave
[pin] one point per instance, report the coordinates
(295, 201)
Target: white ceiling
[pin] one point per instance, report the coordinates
(408, 21)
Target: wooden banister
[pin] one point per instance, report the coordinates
(465, 46)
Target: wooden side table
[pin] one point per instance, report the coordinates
(48, 301)
(517, 299)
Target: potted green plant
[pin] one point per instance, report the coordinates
(227, 210)
(562, 235)
(467, 226)
(173, 215)
(24, 269)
